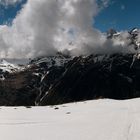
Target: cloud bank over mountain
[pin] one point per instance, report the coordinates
(43, 27)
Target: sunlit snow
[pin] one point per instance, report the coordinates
(90, 120)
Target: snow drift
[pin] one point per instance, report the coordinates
(99, 120)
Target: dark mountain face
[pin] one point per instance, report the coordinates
(26, 86)
(93, 77)
(61, 79)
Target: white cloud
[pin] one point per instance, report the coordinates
(44, 27)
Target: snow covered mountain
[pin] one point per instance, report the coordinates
(131, 37)
(45, 82)
(7, 68)
(59, 79)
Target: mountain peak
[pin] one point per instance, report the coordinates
(111, 32)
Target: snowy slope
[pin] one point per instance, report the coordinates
(92, 120)
(8, 67)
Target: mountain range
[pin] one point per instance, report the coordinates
(58, 79)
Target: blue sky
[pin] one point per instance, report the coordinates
(8, 13)
(120, 14)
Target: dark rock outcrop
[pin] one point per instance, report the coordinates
(57, 80)
(116, 76)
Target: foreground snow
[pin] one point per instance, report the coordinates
(91, 120)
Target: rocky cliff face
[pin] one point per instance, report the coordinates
(116, 76)
(61, 79)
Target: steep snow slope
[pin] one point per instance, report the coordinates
(8, 67)
(92, 120)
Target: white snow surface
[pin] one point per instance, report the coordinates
(91, 120)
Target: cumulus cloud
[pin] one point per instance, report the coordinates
(47, 26)
(44, 27)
